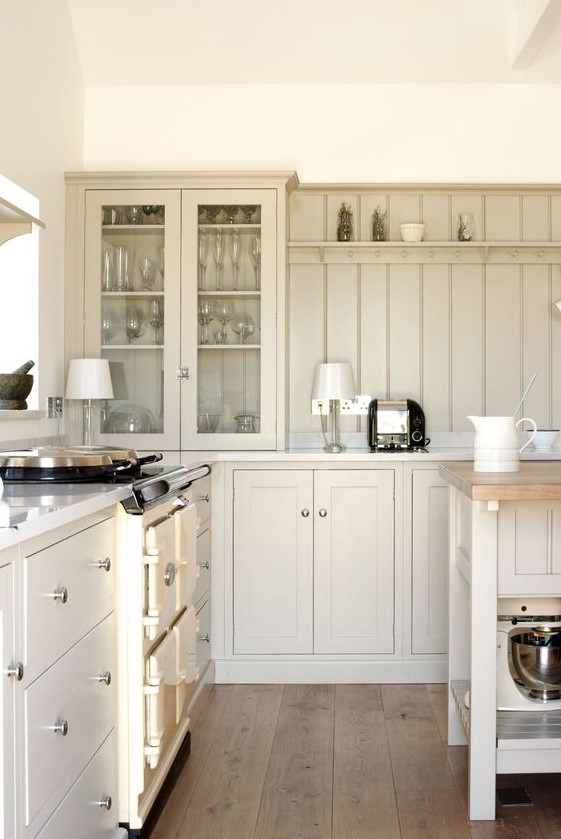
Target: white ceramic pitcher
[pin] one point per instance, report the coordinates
(496, 446)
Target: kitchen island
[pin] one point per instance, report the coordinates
(502, 543)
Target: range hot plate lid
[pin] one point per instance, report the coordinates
(52, 458)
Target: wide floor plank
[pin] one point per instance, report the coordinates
(364, 803)
(298, 789)
(438, 815)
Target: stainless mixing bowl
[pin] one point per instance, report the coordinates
(536, 664)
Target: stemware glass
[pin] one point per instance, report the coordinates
(256, 257)
(107, 271)
(248, 330)
(224, 314)
(231, 211)
(109, 328)
(238, 326)
(162, 264)
(121, 269)
(235, 253)
(212, 212)
(218, 258)
(206, 315)
(248, 210)
(134, 325)
(203, 248)
(147, 272)
(156, 317)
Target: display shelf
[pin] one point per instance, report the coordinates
(441, 251)
(248, 295)
(137, 228)
(236, 226)
(229, 346)
(132, 347)
(115, 294)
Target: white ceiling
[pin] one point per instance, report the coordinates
(164, 42)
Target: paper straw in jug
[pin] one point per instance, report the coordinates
(525, 394)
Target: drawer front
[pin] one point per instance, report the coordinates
(70, 569)
(89, 811)
(71, 691)
(199, 494)
(202, 589)
(203, 637)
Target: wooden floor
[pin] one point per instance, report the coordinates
(336, 762)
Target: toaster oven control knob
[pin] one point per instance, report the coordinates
(416, 436)
(417, 421)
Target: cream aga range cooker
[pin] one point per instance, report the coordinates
(157, 626)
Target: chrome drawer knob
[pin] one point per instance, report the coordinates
(169, 574)
(305, 513)
(203, 498)
(205, 565)
(105, 802)
(103, 677)
(15, 671)
(205, 638)
(61, 727)
(104, 564)
(323, 513)
(61, 594)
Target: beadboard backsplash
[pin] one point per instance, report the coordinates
(461, 331)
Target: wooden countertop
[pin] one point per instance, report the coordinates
(534, 482)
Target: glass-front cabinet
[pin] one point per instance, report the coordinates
(228, 323)
(132, 312)
(180, 298)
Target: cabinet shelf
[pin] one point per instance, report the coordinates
(132, 293)
(132, 346)
(426, 252)
(239, 226)
(229, 347)
(145, 228)
(243, 294)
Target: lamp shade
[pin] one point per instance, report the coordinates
(89, 378)
(333, 380)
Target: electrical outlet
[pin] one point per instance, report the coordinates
(358, 405)
(54, 407)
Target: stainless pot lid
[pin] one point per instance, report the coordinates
(52, 458)
(112, 452)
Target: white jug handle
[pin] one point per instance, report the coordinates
(535, 428)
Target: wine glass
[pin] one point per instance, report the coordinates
(235, 252)
(134, 325)
(161, 264)
(108, 328)
(156, 317)
(212, 212)
(224, 314)
(203, 248)
(256, 257)
(218, 258)
(206, 315)
(249, 329)
(248, 210)
(231, 211)
(147, 272)
(238, 326)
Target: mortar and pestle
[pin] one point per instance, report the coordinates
(15, 388)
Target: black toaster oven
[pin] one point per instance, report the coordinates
(397, 424)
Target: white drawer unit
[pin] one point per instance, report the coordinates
(89, 809)
(68, 712)
(199, 494)
(202, 589)
(69, 587)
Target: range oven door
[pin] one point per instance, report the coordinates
(170, 568)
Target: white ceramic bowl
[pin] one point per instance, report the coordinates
(545, 439)
(412, 232)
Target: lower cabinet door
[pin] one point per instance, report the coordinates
(89, 810)
(273, 561)
(354, 561)
(7, 699)
(529, 548)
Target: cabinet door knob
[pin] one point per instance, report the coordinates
(103, 677)
(323, 512)
(305, 513)
(104, 564)
(106, 802)
(205, 638)
(15, 671)
(205, 565)
(203, 498)
(169, 574)
(61, 594)
(61, 727)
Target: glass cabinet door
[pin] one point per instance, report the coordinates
(229, 271)
(132, 312)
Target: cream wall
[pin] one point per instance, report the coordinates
(41, 136)
(332, 133)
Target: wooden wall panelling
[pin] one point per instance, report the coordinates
(503, 339)
(435, 355)
(467, 345)
(435, 212)
(307, 218)
(535, 218)
(404, 332)
(536, 337)
(555, 349)
(467, 203)
(373, 317)
(502, 218)
(306, 341)
(333, 203)
(342, 322)
(555, 224)
(403, 208)
(368, 203)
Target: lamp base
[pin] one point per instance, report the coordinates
(334, 448)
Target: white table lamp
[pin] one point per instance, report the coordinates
(332, 382)
(89, 378)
